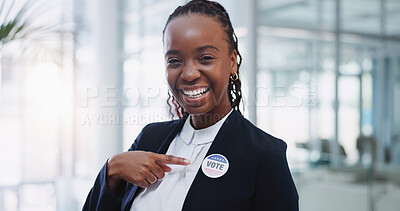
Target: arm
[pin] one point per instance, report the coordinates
(100, 196)
(275, 189)
(136, 167)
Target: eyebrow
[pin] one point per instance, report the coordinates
(199, 49)
(202, 48)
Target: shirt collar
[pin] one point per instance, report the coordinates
(206, 135)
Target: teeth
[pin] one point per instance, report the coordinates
(195, 93)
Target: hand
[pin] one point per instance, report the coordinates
(139, 168)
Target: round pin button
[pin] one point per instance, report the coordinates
(215, 165)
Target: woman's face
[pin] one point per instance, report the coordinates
(198, 64)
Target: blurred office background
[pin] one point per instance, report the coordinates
(323, 75)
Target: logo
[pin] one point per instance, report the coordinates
(215, 165)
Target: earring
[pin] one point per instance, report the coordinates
(234, 76)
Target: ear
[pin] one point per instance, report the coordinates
(234, 62)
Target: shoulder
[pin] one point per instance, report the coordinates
(266, 154)
(270, 151)
(261, 139)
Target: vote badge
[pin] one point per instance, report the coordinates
(215, 165)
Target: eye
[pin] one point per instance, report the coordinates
(206, 58)
(172, 61)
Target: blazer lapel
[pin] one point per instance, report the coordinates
(227, 133)
(165, 145)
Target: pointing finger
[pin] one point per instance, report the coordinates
(170, 159)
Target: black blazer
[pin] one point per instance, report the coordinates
(258, 177)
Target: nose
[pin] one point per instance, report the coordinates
(190, 73)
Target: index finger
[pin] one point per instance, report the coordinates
(170, 159)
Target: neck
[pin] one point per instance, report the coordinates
(200, 121)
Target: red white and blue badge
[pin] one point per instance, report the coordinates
(215, 165)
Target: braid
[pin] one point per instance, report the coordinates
(179, 110)
(214, 10)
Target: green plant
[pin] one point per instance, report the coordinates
(13, 28)
(19, 21)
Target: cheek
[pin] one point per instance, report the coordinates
(222, 76)
(222, 81)
(220, 86)
(171, 77)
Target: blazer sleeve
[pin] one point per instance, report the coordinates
(100, 197)
(275, 189)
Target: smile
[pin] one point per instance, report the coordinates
(197, 93)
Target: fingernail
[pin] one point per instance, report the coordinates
(186, 161)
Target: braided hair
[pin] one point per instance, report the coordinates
(216, 11)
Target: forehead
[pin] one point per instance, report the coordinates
(192, 30)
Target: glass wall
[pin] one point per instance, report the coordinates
(35, 102)
(324, 76)
(333, 69)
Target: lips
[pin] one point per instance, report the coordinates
(196, 93)
(194, 96)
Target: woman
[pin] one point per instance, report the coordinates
(217, 160)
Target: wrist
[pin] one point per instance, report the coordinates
(114, 181)
(112, 168)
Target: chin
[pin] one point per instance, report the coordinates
(197, 110)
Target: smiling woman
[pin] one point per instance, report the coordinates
(198, 64)
(212, 158)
